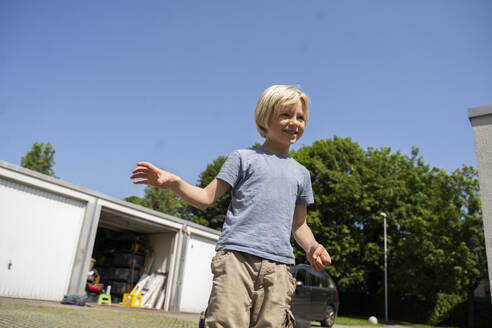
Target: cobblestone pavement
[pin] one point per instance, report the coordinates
(35, 314)
(20, 313)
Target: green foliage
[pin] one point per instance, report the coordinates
(40, 158)
(160, 200)
(338, 192)
(136, 200)
(435, 232)
(445, 303)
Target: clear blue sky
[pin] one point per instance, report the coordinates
(110, 83)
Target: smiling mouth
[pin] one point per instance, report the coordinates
(292, 133)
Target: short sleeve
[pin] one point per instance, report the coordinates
(305, 194)
(231, 170)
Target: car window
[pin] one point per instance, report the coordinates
(321, 280)
(329, 282)
(316, 280)
(301, 275)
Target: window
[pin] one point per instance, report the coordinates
(321, 280)
(330, 283)
(316, 280)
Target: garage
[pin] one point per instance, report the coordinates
(126, 247)
(36, 258)
(57, 231)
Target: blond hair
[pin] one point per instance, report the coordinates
(273, 100)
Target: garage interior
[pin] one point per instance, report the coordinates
(127, 249)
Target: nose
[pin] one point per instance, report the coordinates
(292, 123)
(295, 122)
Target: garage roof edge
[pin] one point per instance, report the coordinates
(71, 186)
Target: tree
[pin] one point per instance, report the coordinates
(435, 231)
(40, 158)
(335, 168)
(468, 259)
(161, 200)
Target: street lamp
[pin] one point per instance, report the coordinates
(385, 271)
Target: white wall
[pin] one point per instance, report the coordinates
(161, 245)
(39, 236)
(197, 275)
(481, 120)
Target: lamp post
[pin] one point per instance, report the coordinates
(385, 271)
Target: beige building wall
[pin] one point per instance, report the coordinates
(481, 121)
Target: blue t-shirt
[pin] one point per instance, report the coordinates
(266, 187)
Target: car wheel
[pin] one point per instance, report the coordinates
(329, 316)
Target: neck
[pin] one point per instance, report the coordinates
(276, 148)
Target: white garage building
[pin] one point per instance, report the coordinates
(48, 231)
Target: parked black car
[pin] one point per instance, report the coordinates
(316, 296)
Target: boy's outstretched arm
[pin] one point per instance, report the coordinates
(201, 198)
(317, 255)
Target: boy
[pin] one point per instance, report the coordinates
(252, 285)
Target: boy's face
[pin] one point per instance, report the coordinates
(287, 127)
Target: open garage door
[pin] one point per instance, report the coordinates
(127, 247)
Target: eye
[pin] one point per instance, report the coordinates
(284, 115)
(300, 118)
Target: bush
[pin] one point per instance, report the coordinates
(445, 309)
(483, 312)
(407, 308)
(361, 305)
(444, 305)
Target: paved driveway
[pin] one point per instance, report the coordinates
(19, 313)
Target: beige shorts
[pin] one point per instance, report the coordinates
(249, 291)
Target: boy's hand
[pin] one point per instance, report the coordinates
(151, 175)
(318, 257)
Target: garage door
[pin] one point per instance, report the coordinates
(40, 232)
(197, 275)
